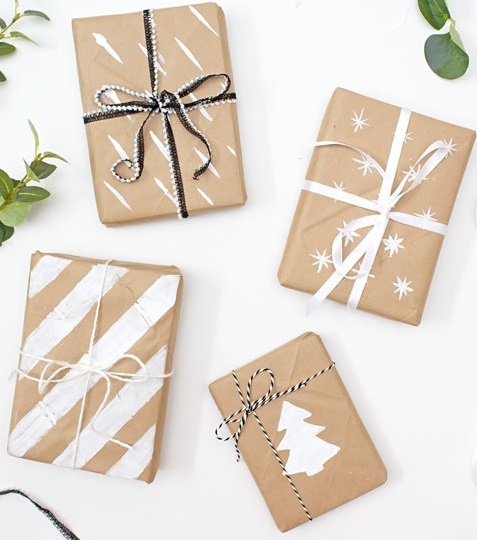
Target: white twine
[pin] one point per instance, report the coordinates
(80, 369)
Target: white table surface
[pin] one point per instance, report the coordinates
(414, 387)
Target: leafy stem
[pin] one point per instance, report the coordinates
(17, 196)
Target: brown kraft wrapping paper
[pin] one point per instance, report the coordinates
(401, 273)
(191, 42)
(137, 320)
(341, 462)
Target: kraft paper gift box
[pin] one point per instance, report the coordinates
(299, 432)
(372, 214)
(185, 70)
(93, 376)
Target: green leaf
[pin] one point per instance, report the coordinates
(6, 184)
(6, 232)
(6, 48)
(30, 172)
(43, 170)
(32, 194)
(14, 213)
(456, 36)
(35, 136)
(435, 12)
(3, 24)
(2, 77)
(35, 13)
(52, 155)
(21, 35)
(445, 57)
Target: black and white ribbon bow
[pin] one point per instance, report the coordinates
(250, 407)
(164, 103)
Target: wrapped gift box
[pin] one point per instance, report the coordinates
(373, 211)
(190, 43)
(322, 455)
(92, 383)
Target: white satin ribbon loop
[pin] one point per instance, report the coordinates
(366, 250)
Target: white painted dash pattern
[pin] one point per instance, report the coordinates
(103, 42)
(212, 169)
(203, 20)
(206, 197)
(118, 196)
(189, 54)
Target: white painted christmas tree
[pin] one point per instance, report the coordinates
(308, 453)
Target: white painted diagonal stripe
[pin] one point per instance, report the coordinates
(203, 20)
(119, 149)
(232, 151)
(103, 42)
(46, 270)
(166, 192)
(126, 404)
(68, 313)
(131, 327)
(202, 110)
(189, 54)
(160, 145)
(158, 65)
(135, 460)
(118, 195)
(205, 196)
(212, 169)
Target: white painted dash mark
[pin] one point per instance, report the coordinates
(119, 149)
(135, 460)
(206, 197)
(118, 195)
(203, 20)
(46, 270)
(202, 110)
(189, 54)
(160, 145)
(232, 151)
(212, 169)
(103, 42)
(158, 65)
(166, 192)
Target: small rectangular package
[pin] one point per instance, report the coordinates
(373, 212)
(93, 376)
(298, 431)
(160, 112)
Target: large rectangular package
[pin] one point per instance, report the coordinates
(95, 362)
(159, 101)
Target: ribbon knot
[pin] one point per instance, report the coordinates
(165, 103)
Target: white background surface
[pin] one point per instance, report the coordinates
(414, 387)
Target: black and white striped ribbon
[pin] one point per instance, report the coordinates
(165, 103)
(62, 529)
(250, 407)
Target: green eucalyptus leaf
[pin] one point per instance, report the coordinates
(35, 136)
(52, 155)
(30, 172)
(435, 12)
(3, 24)
(2, 77)
(456, 37)
(445, 57)
(6, 184)
(21, 35)
(43, 170)
(35, 13)
(32, 194)
(6, 232)
(6, 48)
(14, 213)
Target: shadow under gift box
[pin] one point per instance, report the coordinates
(191, 42)
(116, 318)
(401, 273)
(316, 431)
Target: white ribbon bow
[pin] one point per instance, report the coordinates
(382, 209)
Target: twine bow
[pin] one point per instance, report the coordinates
(382, 208)
(165, 103)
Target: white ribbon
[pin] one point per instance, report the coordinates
(74, 370)
(382, 209)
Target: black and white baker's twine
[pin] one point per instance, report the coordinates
(250, 407)
(165, 103)
(62, 529)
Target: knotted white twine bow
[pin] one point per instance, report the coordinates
(75, 370)
(382, 209)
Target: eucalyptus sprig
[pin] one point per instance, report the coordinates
(7, 34)
(445, 53)
(17, 196)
